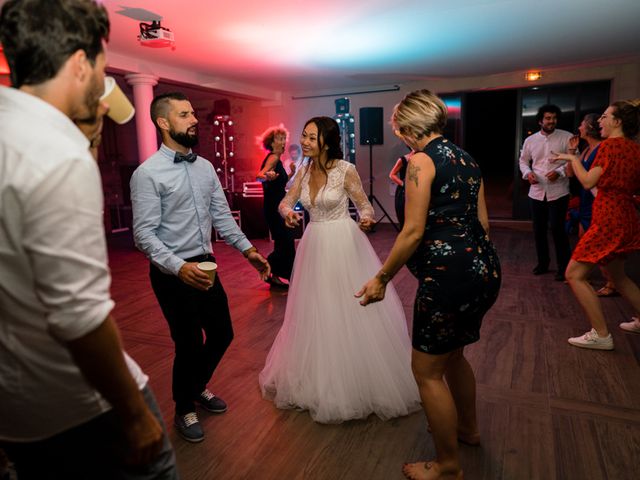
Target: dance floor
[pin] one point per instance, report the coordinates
(546, 410)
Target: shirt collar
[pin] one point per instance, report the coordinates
(35, 107)
(548, 135)
(168, 153)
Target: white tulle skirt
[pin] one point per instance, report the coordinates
(332, 356)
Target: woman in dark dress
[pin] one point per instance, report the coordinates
(590, 135)
(397, 176)
(274, 179)
(446, 244)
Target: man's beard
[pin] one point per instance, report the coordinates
(183, 138)
(548, 129)
(92, 101)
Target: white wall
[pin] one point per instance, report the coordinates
(625, 78)
(294, 114)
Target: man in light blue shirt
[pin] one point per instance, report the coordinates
(177, 199)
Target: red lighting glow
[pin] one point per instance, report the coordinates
(4, 66)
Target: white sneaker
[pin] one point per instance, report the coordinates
(592, 340)
(632, 326)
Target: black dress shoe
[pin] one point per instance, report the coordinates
(276, 282)
(539, 270)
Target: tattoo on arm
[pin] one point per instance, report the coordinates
(412, 173)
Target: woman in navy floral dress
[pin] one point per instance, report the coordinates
(445, 244)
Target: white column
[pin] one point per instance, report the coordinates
(143, 84)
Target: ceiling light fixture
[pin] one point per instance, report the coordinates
(155, 35)
(533, 75)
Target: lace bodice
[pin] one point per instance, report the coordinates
(332, 200)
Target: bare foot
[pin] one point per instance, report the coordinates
(428, 471)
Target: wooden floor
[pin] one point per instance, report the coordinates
(546, 410)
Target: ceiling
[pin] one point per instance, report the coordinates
(305, 45)
(302, 45)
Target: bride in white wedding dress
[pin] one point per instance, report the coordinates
(331, 356)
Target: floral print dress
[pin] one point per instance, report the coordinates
(456, 264)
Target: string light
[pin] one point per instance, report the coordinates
(224, 147)
(346, 123)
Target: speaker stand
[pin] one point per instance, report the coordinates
(372, 197)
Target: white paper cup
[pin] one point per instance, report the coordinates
(209, 268)
(120, 108)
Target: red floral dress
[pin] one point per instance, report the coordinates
(615, 226)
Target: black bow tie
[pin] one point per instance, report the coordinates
(181, 157)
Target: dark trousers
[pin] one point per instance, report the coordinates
(190, 312)
(94, 450)
(284, 248)
(545, 213)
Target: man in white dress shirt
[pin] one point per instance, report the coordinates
(549, 188)
(73, 404)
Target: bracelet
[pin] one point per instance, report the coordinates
(249, 251)
(383, 276)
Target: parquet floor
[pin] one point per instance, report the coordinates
(546, 410)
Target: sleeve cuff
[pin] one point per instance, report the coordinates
(243, 245)
(71, 325)
(175, 265)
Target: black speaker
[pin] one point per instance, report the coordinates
(222, 107)
(254, 224)
(371, 126)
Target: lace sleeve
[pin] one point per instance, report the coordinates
(292, 196)
(353, 186)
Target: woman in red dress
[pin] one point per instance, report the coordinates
(615, 226)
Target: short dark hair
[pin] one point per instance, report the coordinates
(38, 36)
(548, 108)
(628, 112)
(160, 105)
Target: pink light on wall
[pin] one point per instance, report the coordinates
(4, 70)
(4, 66)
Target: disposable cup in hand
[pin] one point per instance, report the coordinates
(120, 108)
(209, 268)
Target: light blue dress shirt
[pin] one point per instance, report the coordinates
(175, 206)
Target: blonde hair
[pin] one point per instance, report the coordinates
(419, 113)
